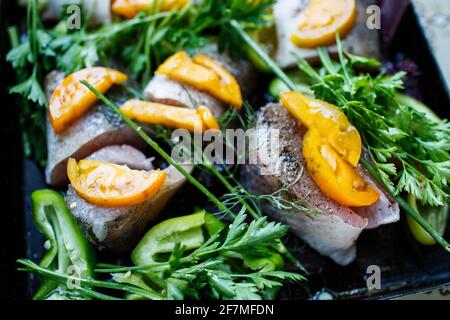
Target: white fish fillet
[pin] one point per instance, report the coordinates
(360, 41)
(332, 232)
(164, 90)
(118, 229)
(123, 155)
(161, 89)
(98, 128)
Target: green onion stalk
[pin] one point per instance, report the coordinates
(221, 206)
(282, 75)
(152, 143)
(85, 283)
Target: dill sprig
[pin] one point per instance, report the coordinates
(282, 199)
(249, 204)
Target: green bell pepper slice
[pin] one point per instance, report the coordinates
(162, 238)
(213, 224)
(436, 216)
(68, 251)
(417, 105)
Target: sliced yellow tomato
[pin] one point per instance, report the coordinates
(205, 74)
(200, 119)
(129, 8)
(110, 185)
(71, 99)
(321, 20)
(335, 177)
(208, 118)
(329, 121)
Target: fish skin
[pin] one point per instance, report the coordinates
(97, 128)
(119, 229)
(360, 41)
(334, 230)
(163, 90)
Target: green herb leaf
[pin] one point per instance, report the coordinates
(411, 151)
(19, 55)
(30, 89)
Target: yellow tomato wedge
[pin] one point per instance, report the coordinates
(71, 99)
(200, 119)
(208, 118)
(205, 74)
(321, 20)
(330, 122)
(129, 8)
(337, 179)
(110, 185)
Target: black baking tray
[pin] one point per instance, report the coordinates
(405, 266)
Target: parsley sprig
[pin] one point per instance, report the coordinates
(409, 150)
(209, 270)
(379, 111)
